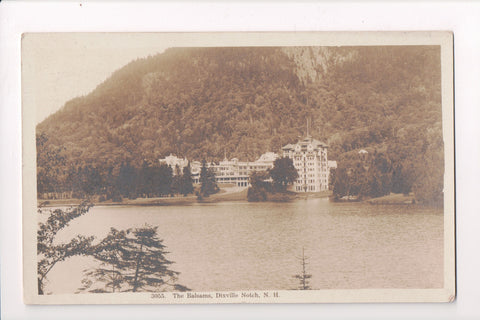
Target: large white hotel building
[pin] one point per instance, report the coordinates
(310, 159)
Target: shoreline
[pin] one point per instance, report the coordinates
(231, 194)
(313, 195)
(392, 199)
(228, 194)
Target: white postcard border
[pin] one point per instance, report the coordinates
(445, 39)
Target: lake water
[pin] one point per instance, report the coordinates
(245, 246)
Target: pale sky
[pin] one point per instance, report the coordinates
(57, 67)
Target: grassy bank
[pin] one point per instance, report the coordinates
(393, 199)
(313, 195)
(227, 195)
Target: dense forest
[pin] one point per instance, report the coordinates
(201, 103)
(57, 179)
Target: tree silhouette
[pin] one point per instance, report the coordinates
(259, 187)
(207, 180)
(108, 251)
(176, 181)
(303, 276)
(186, 186)
(50, 163)
(283, 173)
(49, 253)
(132, 260)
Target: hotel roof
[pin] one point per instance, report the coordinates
(305, 142)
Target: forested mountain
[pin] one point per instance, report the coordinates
(201, 102)
(204, 102)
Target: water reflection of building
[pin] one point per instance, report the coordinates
(309, 157)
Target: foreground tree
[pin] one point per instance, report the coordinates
(109, 272)
(50, 253)
(131, 260)
(303, 277)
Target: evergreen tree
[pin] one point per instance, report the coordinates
(127, 180)
(49, 251)
(110, 273)
(132, 260)
(428, 187)
(90, 181)
(304, 277)
(50, 166)
(147, 180)
(176, 181)
(163, 180)
(208, 184)
(331, 178)
(342, 185)
(111, 189)
(186, 186)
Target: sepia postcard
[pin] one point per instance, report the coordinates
(203, 168)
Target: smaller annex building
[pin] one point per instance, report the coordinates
(227, 171)
(238, 172)
(309, 157)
